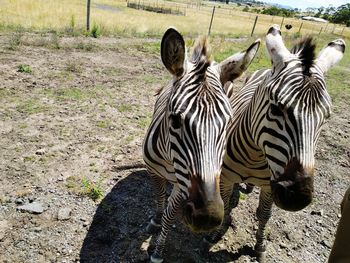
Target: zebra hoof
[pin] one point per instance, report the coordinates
(260, 254)
(156, 259)
(153, 227)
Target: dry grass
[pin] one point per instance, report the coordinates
(115, 18)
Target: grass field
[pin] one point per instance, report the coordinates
(73, 113)
(115, 18)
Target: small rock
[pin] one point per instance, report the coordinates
(64, 213)
(4, 225)
(85, 223)
(33, 208)
(40, 151)
(145, 244)
(326, 243)
(319, 213)
(283, 245)
(37, 229)
(19, 201)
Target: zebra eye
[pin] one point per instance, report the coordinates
(175, 121)
(276, 110)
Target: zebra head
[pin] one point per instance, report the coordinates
(294, 104)
(197, 116)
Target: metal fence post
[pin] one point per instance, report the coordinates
(211, 20)
(256, 19)
(88, 15)
(300, 27)
(282, 23)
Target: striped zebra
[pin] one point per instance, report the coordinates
(272, 136)
(185, 142)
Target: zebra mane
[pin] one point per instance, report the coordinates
(201, 52)
(305, 49)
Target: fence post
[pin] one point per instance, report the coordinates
(320, 31)
(325, 29)
(343, 30)
(256, 19)
(88, 15)
(282, 23)
(300, 27)
(211, 20)
(333, 29)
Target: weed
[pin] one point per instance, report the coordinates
(103, 124)
(22, 126)
(29, 158)
(150, 79)
(95, 30)
(85, 46)
(24, 68)
(16, 38)
(69, 94)
(144, 122)
(92, 190)
(84, 187)
(55, 40)
(73, 67)
(242, 196)
(30, 106)
(124, 108)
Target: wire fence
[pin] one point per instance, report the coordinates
(258, 22)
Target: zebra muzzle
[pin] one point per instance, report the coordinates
(293, 194)
(203, 219)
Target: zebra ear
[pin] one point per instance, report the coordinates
(275, 46)
(173, 52)
(330, 55)
(232, 67)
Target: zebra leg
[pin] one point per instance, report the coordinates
(174, 202)
(159, 185)
(263, 213)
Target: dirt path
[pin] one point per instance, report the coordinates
(72, 129)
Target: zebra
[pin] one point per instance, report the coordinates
(272, 136)
(185, 142)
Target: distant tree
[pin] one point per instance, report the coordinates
(342, 15)
(246, 9)
(320, 10)
(311, 10)
(275, 11)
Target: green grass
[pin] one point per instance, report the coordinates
(92, 190)
(24, 68)
(30, 106)
(103, 124)
(85, 187)
(124, 108)
(69, 94)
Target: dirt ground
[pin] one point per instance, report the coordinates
(72, 130)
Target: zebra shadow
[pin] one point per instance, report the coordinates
(117, 232)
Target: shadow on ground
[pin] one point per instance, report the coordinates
(117, 232)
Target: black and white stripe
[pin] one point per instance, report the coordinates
(278, 116)
(186, 140)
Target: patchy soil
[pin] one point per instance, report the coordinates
(71, 133)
